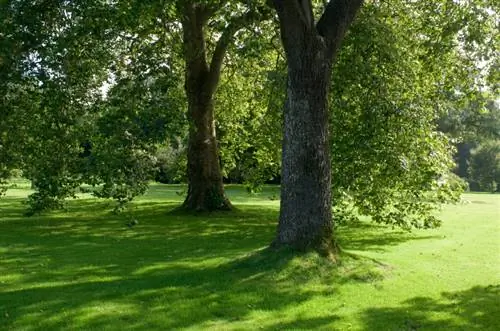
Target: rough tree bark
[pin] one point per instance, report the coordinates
(305, 215)
(205, 188)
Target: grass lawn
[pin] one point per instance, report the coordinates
(83, 269)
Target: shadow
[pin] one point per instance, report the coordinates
(183, 296)
(314, 323)
(85, 269)
(477, 308)
(366, 236)
(9, 208)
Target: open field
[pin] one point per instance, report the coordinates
(84, 269)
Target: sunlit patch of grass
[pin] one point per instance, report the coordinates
(85, 269)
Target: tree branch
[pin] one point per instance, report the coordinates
(298, 10)
(236, 24)
(296, 22)
(194, 46)
(334, 22)
(307, 12)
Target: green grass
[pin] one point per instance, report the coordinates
(83, 269)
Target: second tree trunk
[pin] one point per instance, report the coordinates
(305, 217)
(205, 191)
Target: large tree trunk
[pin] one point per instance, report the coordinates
(305, 216)
(205, 190)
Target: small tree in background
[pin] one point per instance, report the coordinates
(485, 166)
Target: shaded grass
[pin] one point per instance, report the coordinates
(85, 269)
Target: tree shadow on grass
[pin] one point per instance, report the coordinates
(85, 269)
(365, 236)
(477, 308)
(9, 208)
(306, 323)
(159, 296)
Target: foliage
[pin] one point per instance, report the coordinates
(138, 113)
(485, 166)
(111, 74)
(249, 110)
(115, 72)
(474, 122)
(395, 74)
(471, 127)
(171, 163)
(51, 77)
(80, 76)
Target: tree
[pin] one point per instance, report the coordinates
(205, 187)
(74, 48)
(389, 160)
(471, 125)
(48, 83)
(395, 73)
(305, 216)
(485, 166)
(402, 64)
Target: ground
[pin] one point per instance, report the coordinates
(85, 269)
